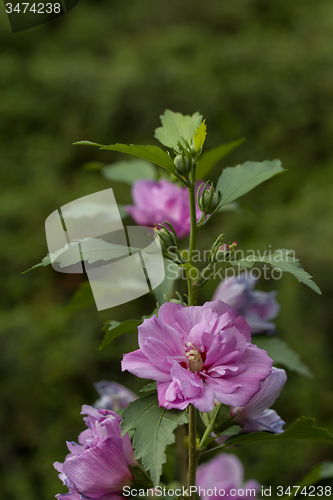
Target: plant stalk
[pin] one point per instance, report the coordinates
(192, 296)
(192, 290)
(182, 453)
(193, 456)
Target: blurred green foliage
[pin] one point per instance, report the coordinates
(105, 72)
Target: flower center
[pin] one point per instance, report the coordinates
(194, 357)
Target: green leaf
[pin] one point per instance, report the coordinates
(210, 158)
(141, 478)
(129, 171)
(153, 431)
(236, 181)
(282, 260)
(233, 430)
(177, 128)
(93, 250)
(281, 353)
(149, 387)
(200, 136)
(318, 473)
(45, 262)
(90, 209)
(230, 207)
(150, 153)
(303, 428)
(87, 143)
(114, 329)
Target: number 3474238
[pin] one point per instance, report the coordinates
(307, 491)
(35, 8)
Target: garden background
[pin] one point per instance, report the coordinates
(105, 72)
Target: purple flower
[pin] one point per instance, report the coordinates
(162, 201)
(256, 415)
(256, 307)
(113, 396)
(225, 473)
(199, 354)
(98, 466)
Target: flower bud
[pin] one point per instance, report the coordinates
(182, 164)
(224, 251)
(224, 248)
(227, 247)
(167, 237)
(193, 150)
(209, 199)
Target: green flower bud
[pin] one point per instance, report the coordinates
(166, 237)
(209, 200)
(182, 164)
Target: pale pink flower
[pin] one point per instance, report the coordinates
(199, 354)
(225, 473)
(98, 466)
(257, 308)
(162, 201)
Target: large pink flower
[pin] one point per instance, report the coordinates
(162, 201)
(98, 466)
(225, 473)
(199, 354)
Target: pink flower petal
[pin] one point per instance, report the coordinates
(138, 364)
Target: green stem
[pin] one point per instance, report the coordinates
(213, 450)
(193, 456)
(182, 453)
(192, 300)
(192, 292)
(207, 433)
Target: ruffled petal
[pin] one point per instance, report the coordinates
(177, 399)
(268, 421)
(157, 329)
(228, 317)
(188, 317)
(99, 470)
(270, 390)
(71, 495)
(138, 364)
(167, 313)
(246, 383)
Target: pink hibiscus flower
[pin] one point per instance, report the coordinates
(199, 354)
